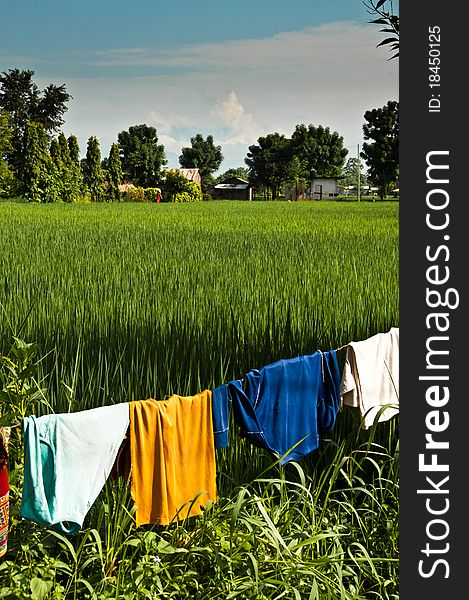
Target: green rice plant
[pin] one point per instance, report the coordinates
(138, 300)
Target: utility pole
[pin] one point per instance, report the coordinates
(358, 156)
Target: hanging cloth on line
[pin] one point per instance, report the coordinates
(370, 378)
(172, 456)
(282, 403)
(67, 460)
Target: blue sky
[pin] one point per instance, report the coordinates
(236, 70)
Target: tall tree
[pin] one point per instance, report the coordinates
(25, 102)
(321, 151)
(51, 107)
(382, 153)
(67, 173)
(202, 155)
(297, 176)
(75, 168)
(269, 162)
(54, 151)
(350, 172)
(19, 96)
(141, 155)
(240, 172)
(114, 170)
(93, 174)
(73, 149)
(39, 182)
(6, 136)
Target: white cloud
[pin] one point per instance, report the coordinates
(338, 44)
(242, 128)
(237, 91)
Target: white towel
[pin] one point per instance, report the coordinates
(370, 378)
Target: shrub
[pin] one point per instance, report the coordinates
(179, 189)
(7, 180)
(135, 194)
(151, 193)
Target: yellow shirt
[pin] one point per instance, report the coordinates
(172, 454)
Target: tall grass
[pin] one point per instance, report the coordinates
(131, 301)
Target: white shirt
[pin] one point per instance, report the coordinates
(370, 378)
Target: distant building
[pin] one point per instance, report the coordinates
(319, 188)
(233, 188)
(190, 174)
(124, 188)
(352, 190)
(323, 188)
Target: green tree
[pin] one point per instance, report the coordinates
(39, 182)
(321, 151)
(73, 149)
(202, 155)
(388, 18)
(21, 97)
(54, 151)
(177, 188)
(141, 156)
(67, 174)
(269, 162)
(350, 172)
(297, 176)
(25, 102)
(114, 170)
(382, 153)
(240, 172)
(93, 174)
(6, 136)
(76, 176)
(64, 149)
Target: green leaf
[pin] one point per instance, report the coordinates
(386, 41)
(40, 588)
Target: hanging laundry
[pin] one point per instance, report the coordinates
(370, 378)
(280, 404)
(67, 460)
(4, 489)
(221, 402)
(172, 457)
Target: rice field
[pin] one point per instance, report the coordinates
(127, 301)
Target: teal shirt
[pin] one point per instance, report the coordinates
(67, 460)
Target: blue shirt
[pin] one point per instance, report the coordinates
(289, 402)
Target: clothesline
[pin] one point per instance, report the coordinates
(342, 347)
(337, 350)
(169, 445)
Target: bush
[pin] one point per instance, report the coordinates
(151, 194)
(7, 180)
(206, 196)
(135, 194)
(179, 189)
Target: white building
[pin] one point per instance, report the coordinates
(323, 188)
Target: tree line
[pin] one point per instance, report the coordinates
(38, 162)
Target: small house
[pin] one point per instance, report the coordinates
(323, 188)
(233, 188)
(192, 174)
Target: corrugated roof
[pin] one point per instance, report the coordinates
(191, 174)
(232, 186)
